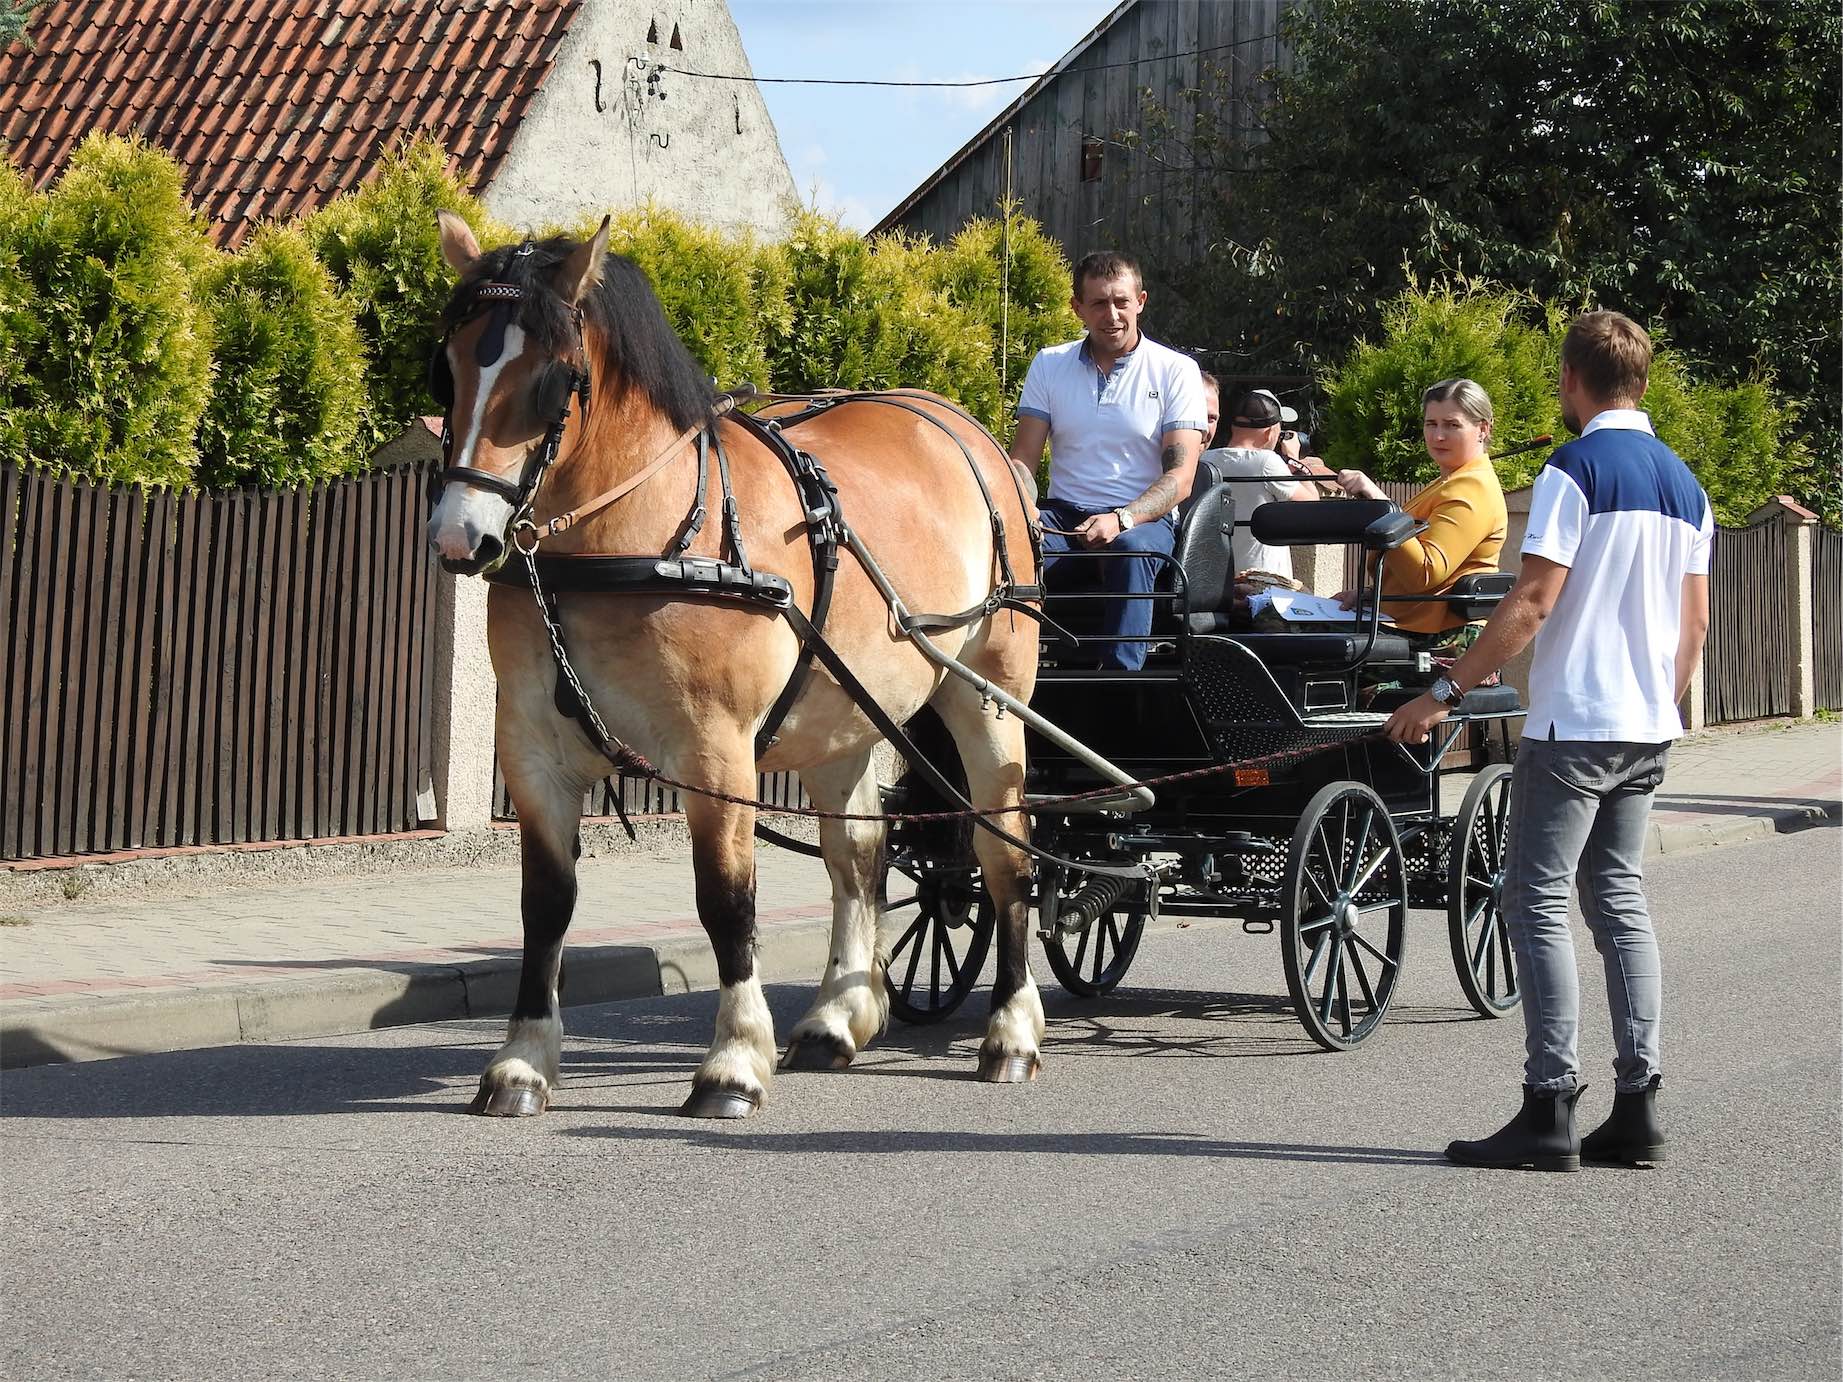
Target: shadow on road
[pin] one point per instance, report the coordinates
(631, 1045)
(908, 1141)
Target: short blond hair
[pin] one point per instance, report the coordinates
(1610, 354)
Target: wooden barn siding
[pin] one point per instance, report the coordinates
(221, 668)
(1135, 204)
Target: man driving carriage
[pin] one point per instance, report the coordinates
(1124, 418)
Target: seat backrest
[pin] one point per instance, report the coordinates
(1474, 597)
(1208, 477)
(1203, 550)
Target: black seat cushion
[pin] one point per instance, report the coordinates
(1203, 550)
(1480, 700)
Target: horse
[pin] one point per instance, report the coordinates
(689, 678)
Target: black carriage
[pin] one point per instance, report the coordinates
(1278, 802)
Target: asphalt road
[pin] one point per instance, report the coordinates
(1190, 1190)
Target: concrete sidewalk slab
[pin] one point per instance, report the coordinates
(305, 954)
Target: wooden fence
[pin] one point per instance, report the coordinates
(1747, 663)
(1827, 617)
(212, 668)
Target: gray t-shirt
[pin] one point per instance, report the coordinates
(1249, 463)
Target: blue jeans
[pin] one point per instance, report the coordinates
(1580, 805)
(1116, 575)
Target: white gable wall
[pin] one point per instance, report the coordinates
(601, 140)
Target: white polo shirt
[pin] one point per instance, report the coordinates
(1252, 463)
(1106, 430)
(1627, 518)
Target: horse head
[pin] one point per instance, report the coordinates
(512, 357)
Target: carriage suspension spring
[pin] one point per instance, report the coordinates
(1097, 895)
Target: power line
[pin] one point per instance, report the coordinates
(982, 81)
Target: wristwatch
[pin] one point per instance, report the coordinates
(1445, 691)
(1126, 518)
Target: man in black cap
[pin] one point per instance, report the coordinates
(1255, 450)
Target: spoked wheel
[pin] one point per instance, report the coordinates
(1475, 894)
(1344, 915)
(946, 923)
(1090, 959)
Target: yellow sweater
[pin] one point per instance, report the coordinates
(1466, 524)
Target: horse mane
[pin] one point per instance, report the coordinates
(639, 345)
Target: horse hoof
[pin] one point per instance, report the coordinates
(509, 1101)
(716, 1102)
(1009, 1069)
(816, 1052)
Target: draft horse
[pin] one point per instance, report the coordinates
(562, 381)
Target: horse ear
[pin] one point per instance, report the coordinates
(583, 269)
(459, 247)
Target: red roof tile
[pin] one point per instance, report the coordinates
(273, 107)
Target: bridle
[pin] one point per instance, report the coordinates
(557, 384)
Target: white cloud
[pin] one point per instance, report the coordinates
(850, 211)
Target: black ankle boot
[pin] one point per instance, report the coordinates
(1631, 1134)
(1540, 1138)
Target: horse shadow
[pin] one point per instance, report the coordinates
(630, 1045)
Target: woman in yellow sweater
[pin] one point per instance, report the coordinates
(1463, 510)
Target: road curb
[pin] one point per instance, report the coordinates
(1680, 837)
(361, 999)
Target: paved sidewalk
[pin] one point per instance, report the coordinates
(268, 963)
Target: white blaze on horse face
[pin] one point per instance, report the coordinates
(467, 514)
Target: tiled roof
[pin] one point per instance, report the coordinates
(273, 107)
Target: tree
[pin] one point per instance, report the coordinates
(14, 16)
(1677, 162)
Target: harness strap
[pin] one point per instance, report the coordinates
(671, 576)
(694, 521)
(824, 525)
(563, 522)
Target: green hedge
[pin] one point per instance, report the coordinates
(288, 399)
(109, 346)
(383, 249)
(130, 349)
(1739, 440)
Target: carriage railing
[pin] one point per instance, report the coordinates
(1058, 634)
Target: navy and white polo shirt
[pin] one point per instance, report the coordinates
(1106, 431)
(1625, 516)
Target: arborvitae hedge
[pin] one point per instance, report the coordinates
(288, 397)
(132, 350)
(382, 248)
(117, 358)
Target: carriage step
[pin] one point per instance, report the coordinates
(1257, 928)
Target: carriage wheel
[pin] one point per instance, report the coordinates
(1475, 894)
(1344, 915)
(939, 952)
(1092, 961)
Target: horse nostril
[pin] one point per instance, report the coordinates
(488, 551)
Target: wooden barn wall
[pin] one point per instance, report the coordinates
(1135, 204)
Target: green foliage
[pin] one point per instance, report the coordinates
(709, 284)
(14, 16)
(1501, 339)
(287, 402)
(862, 314)
(115, 375)
(969, 272)
(1738, 438)
(382, 248)
(1677, 162)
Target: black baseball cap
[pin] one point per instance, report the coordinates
(1259, 408)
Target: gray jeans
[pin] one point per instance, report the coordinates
(1581, 804)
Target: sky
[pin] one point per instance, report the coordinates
(858, 151)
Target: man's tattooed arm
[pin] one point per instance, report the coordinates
(1178, 462)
